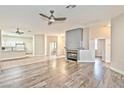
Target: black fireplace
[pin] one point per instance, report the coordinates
(71, 55)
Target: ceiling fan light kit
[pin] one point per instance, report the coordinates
(52, 19)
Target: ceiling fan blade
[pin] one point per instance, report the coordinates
(60, 19)
(21, 32)
(44, 15)
(18, 32)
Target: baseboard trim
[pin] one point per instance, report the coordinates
(116, 70)
(86, 61)
(14, 58)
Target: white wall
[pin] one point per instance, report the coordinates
(86, 38)
(27, 40)
(61, 45)
(0, 43)
(38, 45)
(118, 43)
(0, 40)
(101, 32)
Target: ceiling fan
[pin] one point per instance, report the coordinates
(52, 18)
(19, 32)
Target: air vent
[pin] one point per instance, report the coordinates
(70, 6)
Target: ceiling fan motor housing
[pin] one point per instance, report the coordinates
(51, 11)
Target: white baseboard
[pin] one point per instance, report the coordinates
(13, 58)
(89, 61)
(116, 70)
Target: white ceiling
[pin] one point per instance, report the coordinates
(27, 18)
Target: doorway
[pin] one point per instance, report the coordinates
(52, 45)
(53, 48)
(100, 48)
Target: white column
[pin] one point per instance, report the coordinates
(118, 43)
(39, 45)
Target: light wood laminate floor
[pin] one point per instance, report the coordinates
(57, 73)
